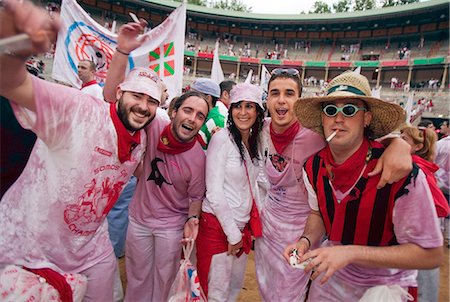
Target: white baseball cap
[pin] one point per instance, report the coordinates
(246, 92)
(143, 80)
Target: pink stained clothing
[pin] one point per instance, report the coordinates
(283, 216)
(350, 282)
(158, 211)
(168, 184)
(54, 215)
(101, 278)
(152, 260)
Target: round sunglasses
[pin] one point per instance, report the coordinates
(289, 71)
(347, 110)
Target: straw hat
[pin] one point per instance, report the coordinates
(386, 117)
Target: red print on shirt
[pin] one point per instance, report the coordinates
(84, 217)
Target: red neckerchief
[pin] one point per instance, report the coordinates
(56, 280)
(344, 176)
(93, 82)
(201, 141)
(169, 144)
(125, 141)
(280, 141)
(429, 168)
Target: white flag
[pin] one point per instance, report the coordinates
(248, 80)
(265, 77)
(216, 70)
(81, 38)
(408, 107)
(376, 93)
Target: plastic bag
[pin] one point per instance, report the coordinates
(18, 284)
(386, 293)
(186, 287)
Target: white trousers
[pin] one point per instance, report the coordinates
(226, 277)
(101, 280)
(152, 258)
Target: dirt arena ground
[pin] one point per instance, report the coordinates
(250, 293)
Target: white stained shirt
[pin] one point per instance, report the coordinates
(443, 161)
(228, 194)
(54, 215)
(94, 90)
(163, 114)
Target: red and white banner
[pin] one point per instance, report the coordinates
(82, 38)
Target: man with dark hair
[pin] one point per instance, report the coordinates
(444, 131)
(283, 214)
(167, 201)
(374, 241)
(86, 74)
(218, 113)
(427, 124)
(52, 217)
(225, 88)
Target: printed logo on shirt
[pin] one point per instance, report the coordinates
(156, 175)
(103, 151)
(278, 162)
(84, 217)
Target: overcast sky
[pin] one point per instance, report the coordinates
(282, 6)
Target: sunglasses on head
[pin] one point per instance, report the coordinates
(347, 110)
(289, 71)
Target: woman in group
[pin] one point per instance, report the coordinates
(423, 146)
(229, 213)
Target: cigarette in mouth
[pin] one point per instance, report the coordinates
(332, 135)
(133, 16)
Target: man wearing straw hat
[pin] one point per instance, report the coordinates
(374, 237)
(287, 146)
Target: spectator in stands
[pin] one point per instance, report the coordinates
(86, 74)
(77, 168)
(218, 113)
(423, 146)
(287, 145)
(360, 253)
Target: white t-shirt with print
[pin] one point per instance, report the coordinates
(54, 214)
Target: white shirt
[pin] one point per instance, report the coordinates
(94, 90)
(54, 214)
(228, 194)
(443, 161)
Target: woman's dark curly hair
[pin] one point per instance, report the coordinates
(254, 138)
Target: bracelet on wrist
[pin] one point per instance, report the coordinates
(191, 217)
(307, 239)
(122, 52)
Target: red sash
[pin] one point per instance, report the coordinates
(211, 240)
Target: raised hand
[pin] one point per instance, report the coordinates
(130, 36)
